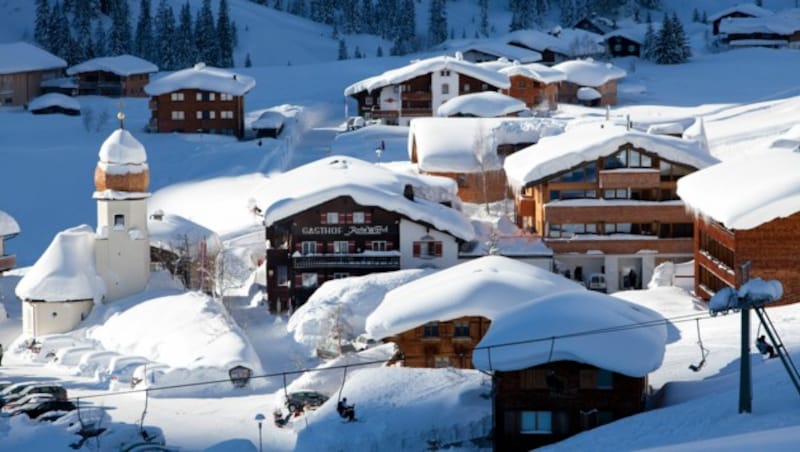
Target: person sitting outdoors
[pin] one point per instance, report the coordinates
(346, 411)
(764, 347)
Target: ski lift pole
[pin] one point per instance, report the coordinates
(745, 377)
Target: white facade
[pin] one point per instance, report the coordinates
(444, 86)
(411, 232)
(122, 249)
(49, 317)
(616, 267)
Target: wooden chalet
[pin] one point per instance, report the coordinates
(485, 51)
(615, 213)
(417, 90)
(201, 99)
(425, 318)
(742, 10)
(547, 390)
(559, 44)
(535, 84)
(775, 31)
(749, 238)
(343, 226)
(598, 76)
(627, 41)
(8, 229)
(23, 68)
(596, 24)
(116, 76)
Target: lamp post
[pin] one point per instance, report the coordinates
(260, 419)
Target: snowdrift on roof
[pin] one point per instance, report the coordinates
(630, 351)
(54, 100)
(204, 78)
(65, 271)
(121, 147)
(487, 104)
(535, 71)
(589, 72)
(122, 65)
(723, 193)
(22, 57)
(483, 287)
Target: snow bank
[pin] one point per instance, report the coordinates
(65, 271)
(173, 232)
(632, 351)
(54, 100)
(487, 104)
(344, 305)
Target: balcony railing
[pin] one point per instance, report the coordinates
(346, 261)
(7, 262)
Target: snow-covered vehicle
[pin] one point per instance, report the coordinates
(364, 342)
(122, 367)
(94, 361)
(304, 399)
(71, 356)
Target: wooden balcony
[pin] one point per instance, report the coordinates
(346, 261)
(7, 262)
(611, 212)
(418, 95)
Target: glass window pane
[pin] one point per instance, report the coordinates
(647, 162)
(635, 159)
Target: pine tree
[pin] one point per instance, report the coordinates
(298, 8)
(342, 50)
(144, 44)
(82, 24)
(166, 37)
(99, 39)
(204, 35)
(278, 7)
(379, 52)
(357, 53)
(484, 24)
(695, 15)
(247, 61)
(521, 14)
(41, 27)
(649, 44)
(681, 40)
(437, 25)
(61, 41)
(406, 31)
(119, 39)
(568, 13)
(672, 46)
(185, 48)
(224, 36)
(367, 17)
(705, 17)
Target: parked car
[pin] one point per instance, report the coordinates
(11, 406)
(58, 392)
(36, 409)
(363, 342)
(13, 390)
(304, 398)
(596, 281)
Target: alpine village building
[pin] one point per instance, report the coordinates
(588, 82)
(200, 99)
(535, 84)
(418, 89)
(116, 76)
(436, 321)
(23, 68)
(546, 391)
(740, 233)
(355, 218)
(8, 229)
(603, 198)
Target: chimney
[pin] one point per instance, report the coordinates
(408, 192)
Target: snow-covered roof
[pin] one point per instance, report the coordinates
(366, 183)
(774, 24)
(635, 33)
(749, 9)
(589, 72)
(65, 271)
(667, 128)
(588, 94)
(788, 140)
(54, 100)
(204, 78)
(122, 65)
(571, 42)
(122, 147)
(427, 66)
(502, 49)
(630, 351)
(268, 120)
(591, 141)
(23, 57)
(535, 71)
(722, 192)
(172, 232)
(487, 104)
(448, 144)
(8, 225)
(485, 287)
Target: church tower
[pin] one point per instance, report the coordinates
(122, 248)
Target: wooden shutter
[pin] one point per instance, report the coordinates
(319, 247)
(437, 249)
(389, 246)
(368, 245)
(298, 246)
(348, 217)
(367, 217)
(351, 246)
(330, 247)
(416, 249)
(323, 218)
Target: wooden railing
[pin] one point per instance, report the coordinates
(346, 261)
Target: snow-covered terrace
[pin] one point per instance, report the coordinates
(745, 193)
(369, 185)
(23, 57)
(631, 351)
(122, 65)
(485, 287)
(204, 78)
(486, 104)
(427, 66)
(591, 141)
(448, 145)
(589, 72)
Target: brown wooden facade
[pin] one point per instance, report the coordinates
(533, 92)
(105, 83)
(197, 111)
(620, 46)
(20, 87)
(471, 185)
(441, 344)
(568, 93)
(534, 407)
(663, 224)
(770, 248)
(7, 261)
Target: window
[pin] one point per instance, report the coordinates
(430, 329)
(212, 114)
(176, 97)
(359, 218)
(119, 221)
(379, 245)
(445, 73)
(282, 275)
(440, 362)
(308, 247)
(445, 88)
(309, 280)
(466, 87)
(177, 115)
(199, 115)
(332, 217)
(341, 246)
(605, 379)
(536, 422)
(484, 86)
(226, 114)
(521, 83)
(340, 275)
(631, 48)
(368, 101)
(199, 96)
(211, 96)
(427, 248)
(225, 96)
(461, 329)
(617, 47)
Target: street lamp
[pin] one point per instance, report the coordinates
(260, 419)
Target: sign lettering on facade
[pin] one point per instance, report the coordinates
(340, 230)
